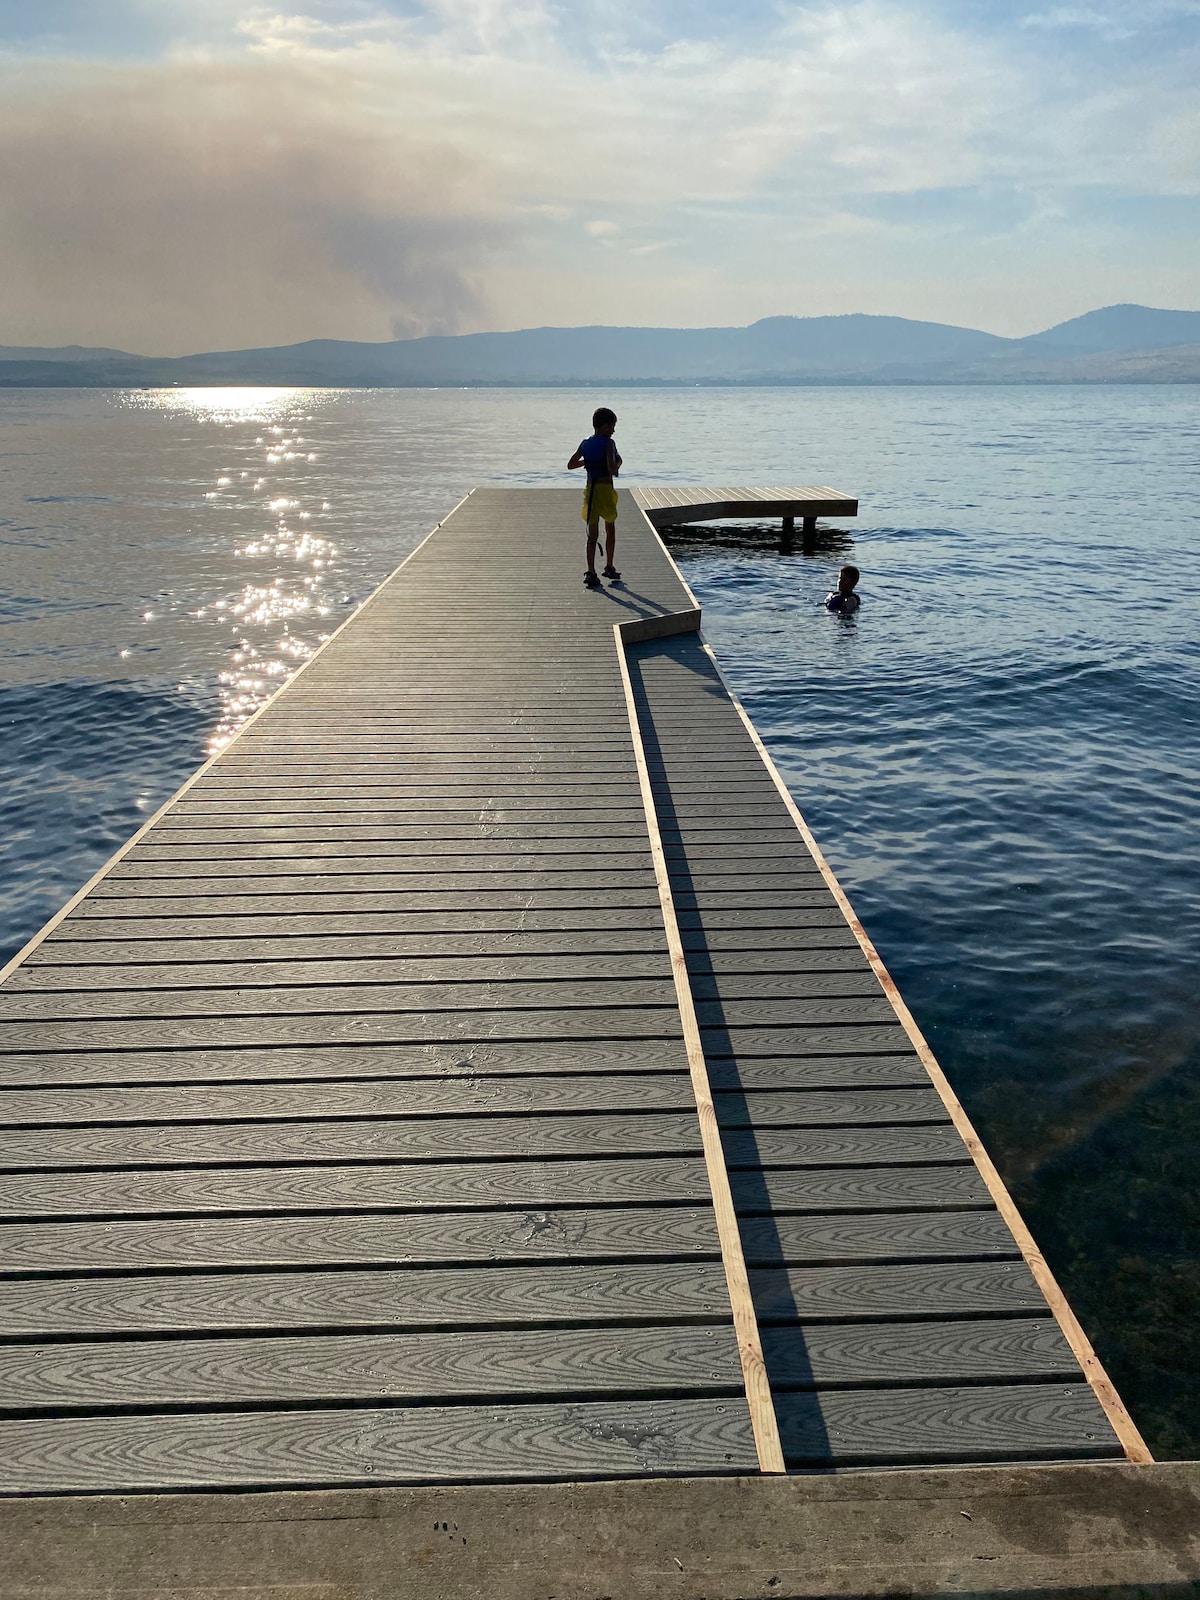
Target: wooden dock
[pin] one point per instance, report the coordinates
(358, 1127)
(673, 505)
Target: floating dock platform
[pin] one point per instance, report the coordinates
(476, 1074)
(674, 505)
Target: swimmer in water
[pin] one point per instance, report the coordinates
(843, 599)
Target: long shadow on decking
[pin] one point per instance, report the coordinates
(784, 1346)
(632, 600)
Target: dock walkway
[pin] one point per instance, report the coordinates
(348, 1127)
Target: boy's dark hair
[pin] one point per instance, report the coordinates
(602, 417)
(854, 573)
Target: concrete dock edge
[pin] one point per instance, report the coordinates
(1064, 1531)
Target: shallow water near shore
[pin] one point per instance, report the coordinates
(1000, 753)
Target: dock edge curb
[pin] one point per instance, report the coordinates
(745, 1322)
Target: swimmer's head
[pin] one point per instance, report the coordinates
(847, 578)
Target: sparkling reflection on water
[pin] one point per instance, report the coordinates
(1000, 753)
(290, 588)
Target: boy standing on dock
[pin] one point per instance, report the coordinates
(603, 462)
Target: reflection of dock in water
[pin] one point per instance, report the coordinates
(362, 1129)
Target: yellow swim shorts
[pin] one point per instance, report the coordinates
(600, 503)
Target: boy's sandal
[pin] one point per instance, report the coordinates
(611, 573)
(591, 581)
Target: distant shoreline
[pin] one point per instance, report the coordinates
(210, 382)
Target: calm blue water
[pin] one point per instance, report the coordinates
(1000, 753)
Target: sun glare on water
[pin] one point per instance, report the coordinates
(267, 491)
(223, 405)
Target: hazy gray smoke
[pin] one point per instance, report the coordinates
(199, 205)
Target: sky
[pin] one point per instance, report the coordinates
(185, 175)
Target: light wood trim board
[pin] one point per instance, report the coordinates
(745, 1322)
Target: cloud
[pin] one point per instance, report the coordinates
(354, 171)
(1114, 21)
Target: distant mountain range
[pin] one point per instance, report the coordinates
(1118, 344)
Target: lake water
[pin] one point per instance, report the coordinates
(1000, 754)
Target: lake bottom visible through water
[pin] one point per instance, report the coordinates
(1000, 753)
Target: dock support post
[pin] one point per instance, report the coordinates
(809, 527)
(789, 527)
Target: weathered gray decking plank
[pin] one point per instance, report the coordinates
(458, 1297)
(765, 1146)
(375, 845)
(354, 1060)
(917, 1354)
(387, 834)
(1012, 1422)
(785, 1011)
(783, 1240)
(306, 1000)
(798, 1107)
(611, 1438)
(350, 1027)
(420, 1139)
(459, 791)
(575, 1363)
(279, 970)
(433, 1187)
(953, 1289)
(885, 1038)
(426, 748)
(386, 1097)
(242, 864)
(572, 771)
(509, 1237)
(575, 808)
(568, 885)
(362, 921)
(462, 901)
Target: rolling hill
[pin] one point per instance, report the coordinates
(1116, 344)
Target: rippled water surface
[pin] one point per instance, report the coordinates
(1000, 753)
